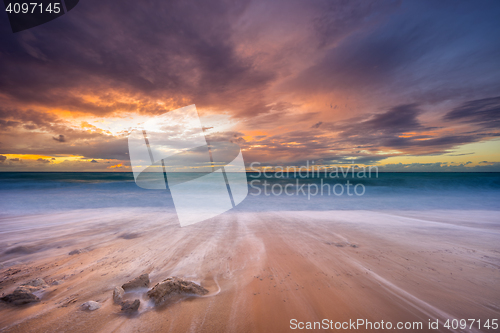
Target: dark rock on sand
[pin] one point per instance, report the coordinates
(77, 251)
(20, 296)
(118, 295)
(174, 286)
(139, 282)
(24, 293)
(130, 306)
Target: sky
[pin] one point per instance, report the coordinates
(404, 85)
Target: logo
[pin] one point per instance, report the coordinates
(171, 150)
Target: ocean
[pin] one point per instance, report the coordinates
(413, 247)
(36, 193)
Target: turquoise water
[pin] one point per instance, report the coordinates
(31, 193)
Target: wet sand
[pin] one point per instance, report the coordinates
(262, 269)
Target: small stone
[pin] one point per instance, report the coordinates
(118, 294)
(139, 282)
(91, 305)
(77, 251)
(38, 282)
(129, 306)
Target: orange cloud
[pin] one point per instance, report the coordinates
(116, 166)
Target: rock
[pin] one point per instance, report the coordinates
(56, 283)
(174, 286)
(26, 289)
(129, 306)
(38, 282)
(118, 294)
(20, 296)
(77, 251)
(32, 286)
(91, 305)
(139, 282)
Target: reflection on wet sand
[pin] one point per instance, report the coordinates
(260, 269)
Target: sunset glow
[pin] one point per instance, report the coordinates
(284, 87)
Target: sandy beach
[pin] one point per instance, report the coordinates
(262, 269)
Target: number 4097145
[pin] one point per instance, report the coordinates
(33, 7)
(470, 323)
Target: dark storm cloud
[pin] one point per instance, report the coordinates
(485, 112)
(188, 51)
(2, 158)
(29, 119)
(428, 52)
(383, 129)
(400, 128)
(399, 119)
(59, 138)
(5, 124)
(264, 62)
(172, 50)
(175, 50)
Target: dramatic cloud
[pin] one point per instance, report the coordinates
(397, 120)
(172, 52)
(287, 80)
(485, 112)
